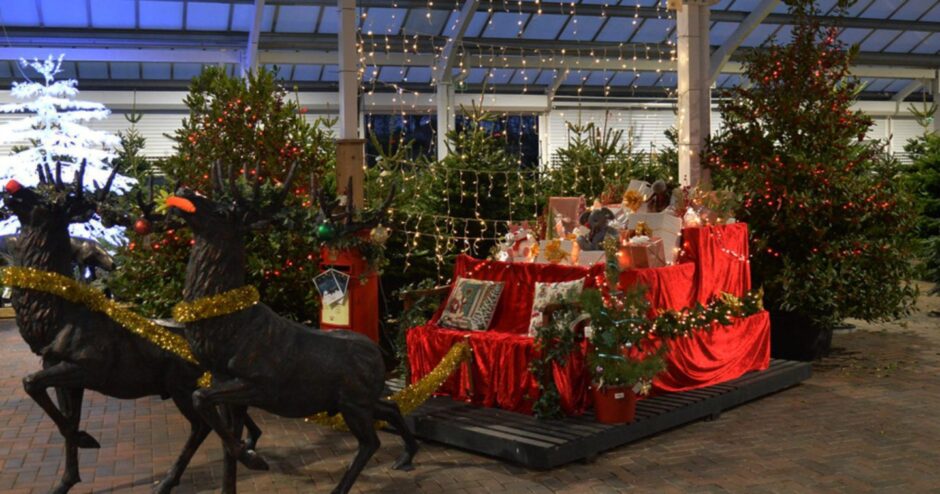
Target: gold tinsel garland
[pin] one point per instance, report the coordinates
(216, 305)
(412, 396)
(76, 292)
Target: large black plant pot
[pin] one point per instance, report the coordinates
(794, 336)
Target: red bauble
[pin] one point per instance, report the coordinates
(13, 186)
(142, 226)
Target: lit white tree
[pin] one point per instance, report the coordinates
(52, 127)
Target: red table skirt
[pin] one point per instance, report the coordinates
(498, 375)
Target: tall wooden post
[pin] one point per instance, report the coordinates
(350, 148)
(694, 115)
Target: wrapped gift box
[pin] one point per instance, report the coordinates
(566, 209)
(665, 225)
(647, 253)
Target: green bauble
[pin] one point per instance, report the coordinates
(325, 231)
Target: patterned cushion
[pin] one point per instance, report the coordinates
(547, 293)
(471, 304)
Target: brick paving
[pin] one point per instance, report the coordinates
(867, 421)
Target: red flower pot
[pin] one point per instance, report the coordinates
(614, 404)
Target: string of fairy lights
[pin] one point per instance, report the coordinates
(497, 62)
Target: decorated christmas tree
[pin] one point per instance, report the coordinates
(253, 126)
(53, 127)
(830, 219)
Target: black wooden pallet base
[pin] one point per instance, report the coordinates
(545, 444)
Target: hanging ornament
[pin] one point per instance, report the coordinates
(142, 226)
(379, 234)
(325, 232)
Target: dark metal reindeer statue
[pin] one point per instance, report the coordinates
(81, 348)
(263, 360)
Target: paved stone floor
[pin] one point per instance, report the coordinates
(868, 420)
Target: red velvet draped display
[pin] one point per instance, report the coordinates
(713, 261)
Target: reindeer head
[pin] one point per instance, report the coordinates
(52, 203)
(229, 214)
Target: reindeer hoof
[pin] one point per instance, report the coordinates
(252, 460)
(85, 441)
(64, 486)
(404, 463)
(164, 487)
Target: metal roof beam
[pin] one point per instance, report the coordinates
(250, 62)
(442, 71)
(560, 77)
(744, 29)
(125, 54)
(909, 89)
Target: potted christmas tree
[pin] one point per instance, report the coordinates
(622, 361)
(830, 219)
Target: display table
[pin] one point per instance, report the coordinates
(498, 374)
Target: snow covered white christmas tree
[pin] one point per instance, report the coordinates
(53, 125)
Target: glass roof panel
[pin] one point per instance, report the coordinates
(878, 85)
(424, 21)
(722, 5)
(824, 6)
(125, 70)
(744, 5)
(5, 70)
(545, 26)
(500, 76)
(622, 79)
(307, 73)
(267, 19)
(329, 21)
(598, 78)
(881, 9)
(759, 35)
(68, 71)
(669, 79)
(853, 35)
(933, 15)
(720, 81)
(576, 77)
(546, 77)
(477, 23)
(912, 10)
(297, 19)
(653, 31)
(281, 72)
(525, 77)
(186, 71)
(720, 31)
(617, 30)
(19, 13)
(879, 39)
(732, 81)
(897, 85)
(419, 74)
(92, 70)
(112, 15)
(907, 41)
(383, 21)
(930, 45)
(203, 16)
(161, 15)
(392, 74)
(330, 73)
(859, 6)
(158, 70)
(63, 13)
(505, 25)
(242, 13)
(581, 28)
(646, 78)
(370, 73)
(476, 75)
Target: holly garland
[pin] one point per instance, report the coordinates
(619, 331)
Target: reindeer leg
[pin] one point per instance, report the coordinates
(254, 432)
(70, 402)
(61, 375)
(389, 412)
(198, 432)
(362, 425)
(231, 392)
(234, 420)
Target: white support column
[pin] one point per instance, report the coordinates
(694, 115)
(744, 29)
(445, 115)
(250, 57)
(350, 148)
(561, 75)
(901, 95)
(935, 89)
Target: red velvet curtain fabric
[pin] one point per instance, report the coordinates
(714, 261)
